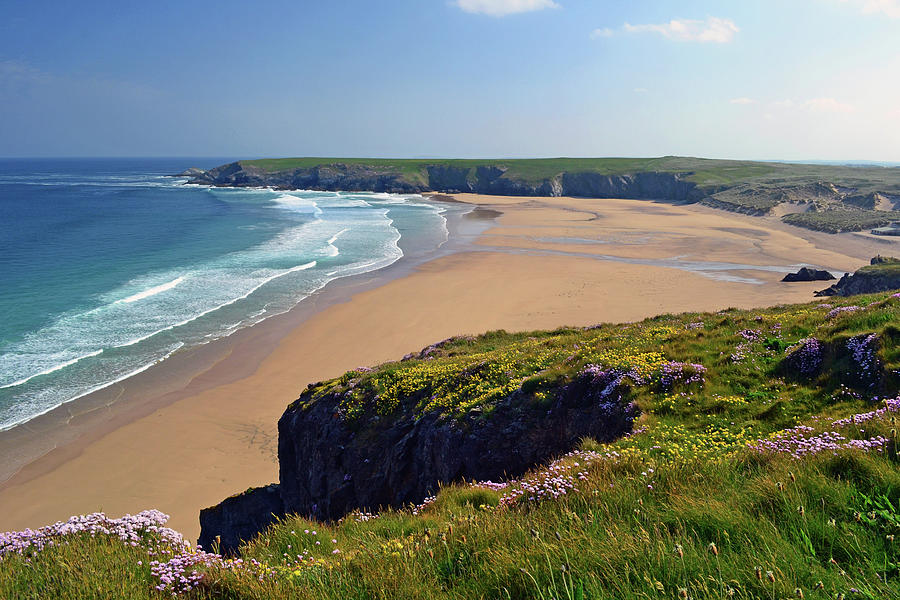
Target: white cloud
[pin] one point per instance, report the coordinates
(821, 105)
(713, 29)
(602, 33)
(640, 90)
(783, 103)
(890, 8)
(828, 105)
(743, 101)
(501, 8)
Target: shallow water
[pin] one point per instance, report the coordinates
(109, 266)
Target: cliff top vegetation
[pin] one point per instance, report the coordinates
(763, 464)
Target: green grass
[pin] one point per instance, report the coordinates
(681, 505)
(841, 219)
(705, 171)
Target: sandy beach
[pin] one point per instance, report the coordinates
(202, 425)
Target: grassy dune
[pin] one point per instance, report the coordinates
(763, 465)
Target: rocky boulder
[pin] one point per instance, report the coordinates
(807, 274)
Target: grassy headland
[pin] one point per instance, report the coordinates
(763, 465)
(825, 197)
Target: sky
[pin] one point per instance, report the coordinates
(760, 79)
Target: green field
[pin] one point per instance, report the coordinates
(747, 476)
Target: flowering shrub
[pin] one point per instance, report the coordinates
(841, 310)
(673, 373)
(864, 351)
(557, 479)
(145, 528)
(806, 357)
(891, 405)
(804, 440)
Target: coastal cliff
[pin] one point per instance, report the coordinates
(335, 458)
(882, 274)
(486, 179)
(822, 197)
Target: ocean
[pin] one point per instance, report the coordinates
(108, 266)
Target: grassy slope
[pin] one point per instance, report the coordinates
(705, 172)
(642, 513)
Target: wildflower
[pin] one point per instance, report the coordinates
(798, 592)
(770, 576)
(679, 550)
(759, 573)
(713, 549)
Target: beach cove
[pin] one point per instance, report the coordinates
(186, 433)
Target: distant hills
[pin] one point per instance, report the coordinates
(825, 197)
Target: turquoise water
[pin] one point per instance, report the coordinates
(109, 266)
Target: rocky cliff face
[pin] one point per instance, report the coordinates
(330, 466)
(491, 180)
(224, 526)
(883, 274)
(324, 177)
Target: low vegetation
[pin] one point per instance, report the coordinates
(842, 219)
(762, 465)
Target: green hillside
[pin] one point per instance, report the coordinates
(762, 464)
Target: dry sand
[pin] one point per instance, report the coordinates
(203, 425)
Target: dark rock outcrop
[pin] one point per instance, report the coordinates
(192, 172)
(393, 462)
(807, 274)
(883, 274)
(239, 518)
(330, 466)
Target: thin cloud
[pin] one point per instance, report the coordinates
(502, 8)
(640, 90)
(821, 105)
(603, 32)
(742, 101)
(828, 105)
(712, 30)
(889, 8)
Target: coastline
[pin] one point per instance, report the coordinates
(93, 414)
(199, 426)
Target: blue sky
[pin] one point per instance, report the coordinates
(787, 79)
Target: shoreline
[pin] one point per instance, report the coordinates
(92, 415)
(199, 426)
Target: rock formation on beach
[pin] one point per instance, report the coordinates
(807, 274)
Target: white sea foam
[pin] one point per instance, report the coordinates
(298, 204)
(151, 291)
(302, 267)
(334, 238)
(368, 241)
(52, 369)
(141, 369)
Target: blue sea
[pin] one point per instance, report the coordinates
(108, 266)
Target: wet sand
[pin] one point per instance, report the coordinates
(202, 425)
